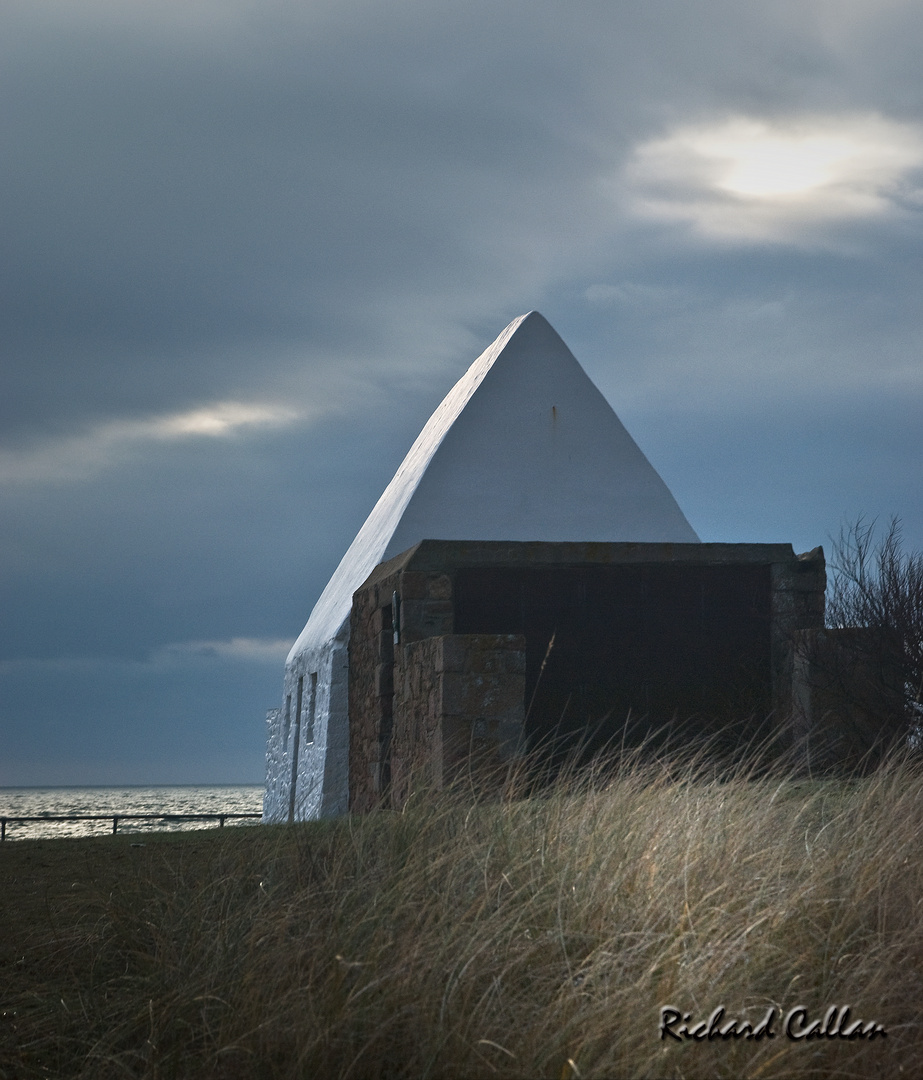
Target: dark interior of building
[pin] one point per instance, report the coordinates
(626, 653)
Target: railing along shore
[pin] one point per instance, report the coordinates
(116, 818)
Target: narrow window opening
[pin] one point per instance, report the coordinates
(296, 738)
(312, 705)
(396, 617)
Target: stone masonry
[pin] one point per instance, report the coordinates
(460, 700)
(449, 640)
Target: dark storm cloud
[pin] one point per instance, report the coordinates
(178, 208)
(248, 247)
(189, 189)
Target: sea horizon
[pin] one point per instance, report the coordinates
(153, 784)
(119, 800)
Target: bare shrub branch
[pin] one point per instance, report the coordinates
(875, 584)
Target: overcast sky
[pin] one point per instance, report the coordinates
(248, 247)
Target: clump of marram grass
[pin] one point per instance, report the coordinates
(518, 938)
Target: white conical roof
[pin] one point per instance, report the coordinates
(523, 447)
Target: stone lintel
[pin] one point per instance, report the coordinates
(438, 555)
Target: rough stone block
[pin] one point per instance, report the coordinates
(783, 602)
(497, 654)
(433, 618)
(477, 696)
(414, 586)
(439, 587)
(812, 581)
(451, 653)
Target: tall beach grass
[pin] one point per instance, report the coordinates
(521, 937)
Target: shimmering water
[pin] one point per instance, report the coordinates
(188, 799)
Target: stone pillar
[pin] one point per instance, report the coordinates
(797, 603)
(371, 689)
(459, 709)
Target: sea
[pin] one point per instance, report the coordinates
(184, 799)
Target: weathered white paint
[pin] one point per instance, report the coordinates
(524, 447)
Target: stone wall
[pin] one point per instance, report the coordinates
(306, 750)
(371, 688)
(849, 697)
(274, 795)
(436, 674)
(458, 709)
(424, 610)
(798, 589)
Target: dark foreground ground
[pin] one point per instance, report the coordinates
(46, 884)
(538, 937)
(59, 903)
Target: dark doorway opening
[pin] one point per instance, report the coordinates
(618, 654)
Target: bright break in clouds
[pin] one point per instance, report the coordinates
(751, 179)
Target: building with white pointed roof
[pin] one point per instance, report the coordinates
(524, 448)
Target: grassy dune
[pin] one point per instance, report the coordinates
(532, 937)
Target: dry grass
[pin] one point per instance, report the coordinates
(532, 937)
